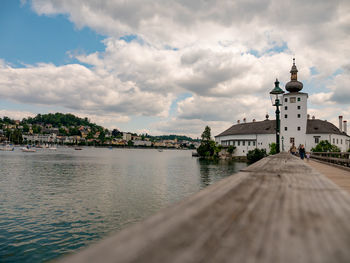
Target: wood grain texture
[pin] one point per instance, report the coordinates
(340, 175)
(277, 210)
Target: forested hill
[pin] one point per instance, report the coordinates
(59, 120)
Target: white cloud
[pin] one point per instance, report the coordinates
(200, 47)
(76, 87)
(193, 128)
(16, 114)
(330, 114)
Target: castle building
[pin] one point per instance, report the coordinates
(296, 126)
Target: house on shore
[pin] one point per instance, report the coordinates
(297, 128)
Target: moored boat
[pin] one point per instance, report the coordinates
(7, 148)
(28, 149)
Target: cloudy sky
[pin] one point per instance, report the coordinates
(171, 67)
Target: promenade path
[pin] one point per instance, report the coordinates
(340, 177)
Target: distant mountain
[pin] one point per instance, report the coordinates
(60, 119)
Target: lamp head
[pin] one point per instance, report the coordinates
(276, 94)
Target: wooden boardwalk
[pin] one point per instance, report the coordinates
(339, 176)
(279, 209)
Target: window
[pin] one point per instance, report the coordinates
(253, 143)
(238, 142)
(299, 115)
(341, 141)
(285, 100)
(233, 143)
(298, 99)
(292, 140)
(248, 143)
(317, 139)
(299, 107)
(337, 141)
(292, 100)
(298, 128)
(333, 141)
(243, 143)
(285, 108)
(285, 128)
(285, 116)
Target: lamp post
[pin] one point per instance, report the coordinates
(276, 96)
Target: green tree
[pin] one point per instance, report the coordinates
(130, 143)
(25, 127)
(62, 131)
(208, 147)
(255, 155)
(7, 120)
(74, 131)
(325, 146)
(36, 129)
(102, 136)
(231, 149)
(273, 148)
(115, 132)
(206, 135)
(14, 136)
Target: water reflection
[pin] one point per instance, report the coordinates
(212, 171)
(56, 202)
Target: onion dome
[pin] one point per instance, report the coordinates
(294, 85)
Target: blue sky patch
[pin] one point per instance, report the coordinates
(27, 38)
(173, 106)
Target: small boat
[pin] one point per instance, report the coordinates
(195, 154)
(28, 149)
(7, 148)
(160, 150)
(52, 148)
(78, 148)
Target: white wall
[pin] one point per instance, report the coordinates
(245, 143)
(340, 141)
(290, 119)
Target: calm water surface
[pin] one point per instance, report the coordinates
(54, 202)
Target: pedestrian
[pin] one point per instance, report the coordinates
(302, 152)
(293, 149)
(307, 156)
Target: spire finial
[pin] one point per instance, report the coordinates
(293, 61)
(277, 83)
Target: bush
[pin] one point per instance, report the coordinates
(231, 149)
(273, 148)
(325, 146)
(255, 155)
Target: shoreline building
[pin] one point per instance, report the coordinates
(296, 126)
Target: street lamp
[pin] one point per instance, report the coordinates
(276, 96)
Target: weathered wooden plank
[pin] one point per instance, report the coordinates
(277, 210)
(339, 175)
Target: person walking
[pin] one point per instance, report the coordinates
(302, 152)
(307, 156)
(293, 149)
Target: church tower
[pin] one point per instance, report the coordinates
(293, 113)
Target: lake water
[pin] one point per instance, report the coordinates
(55, 202)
